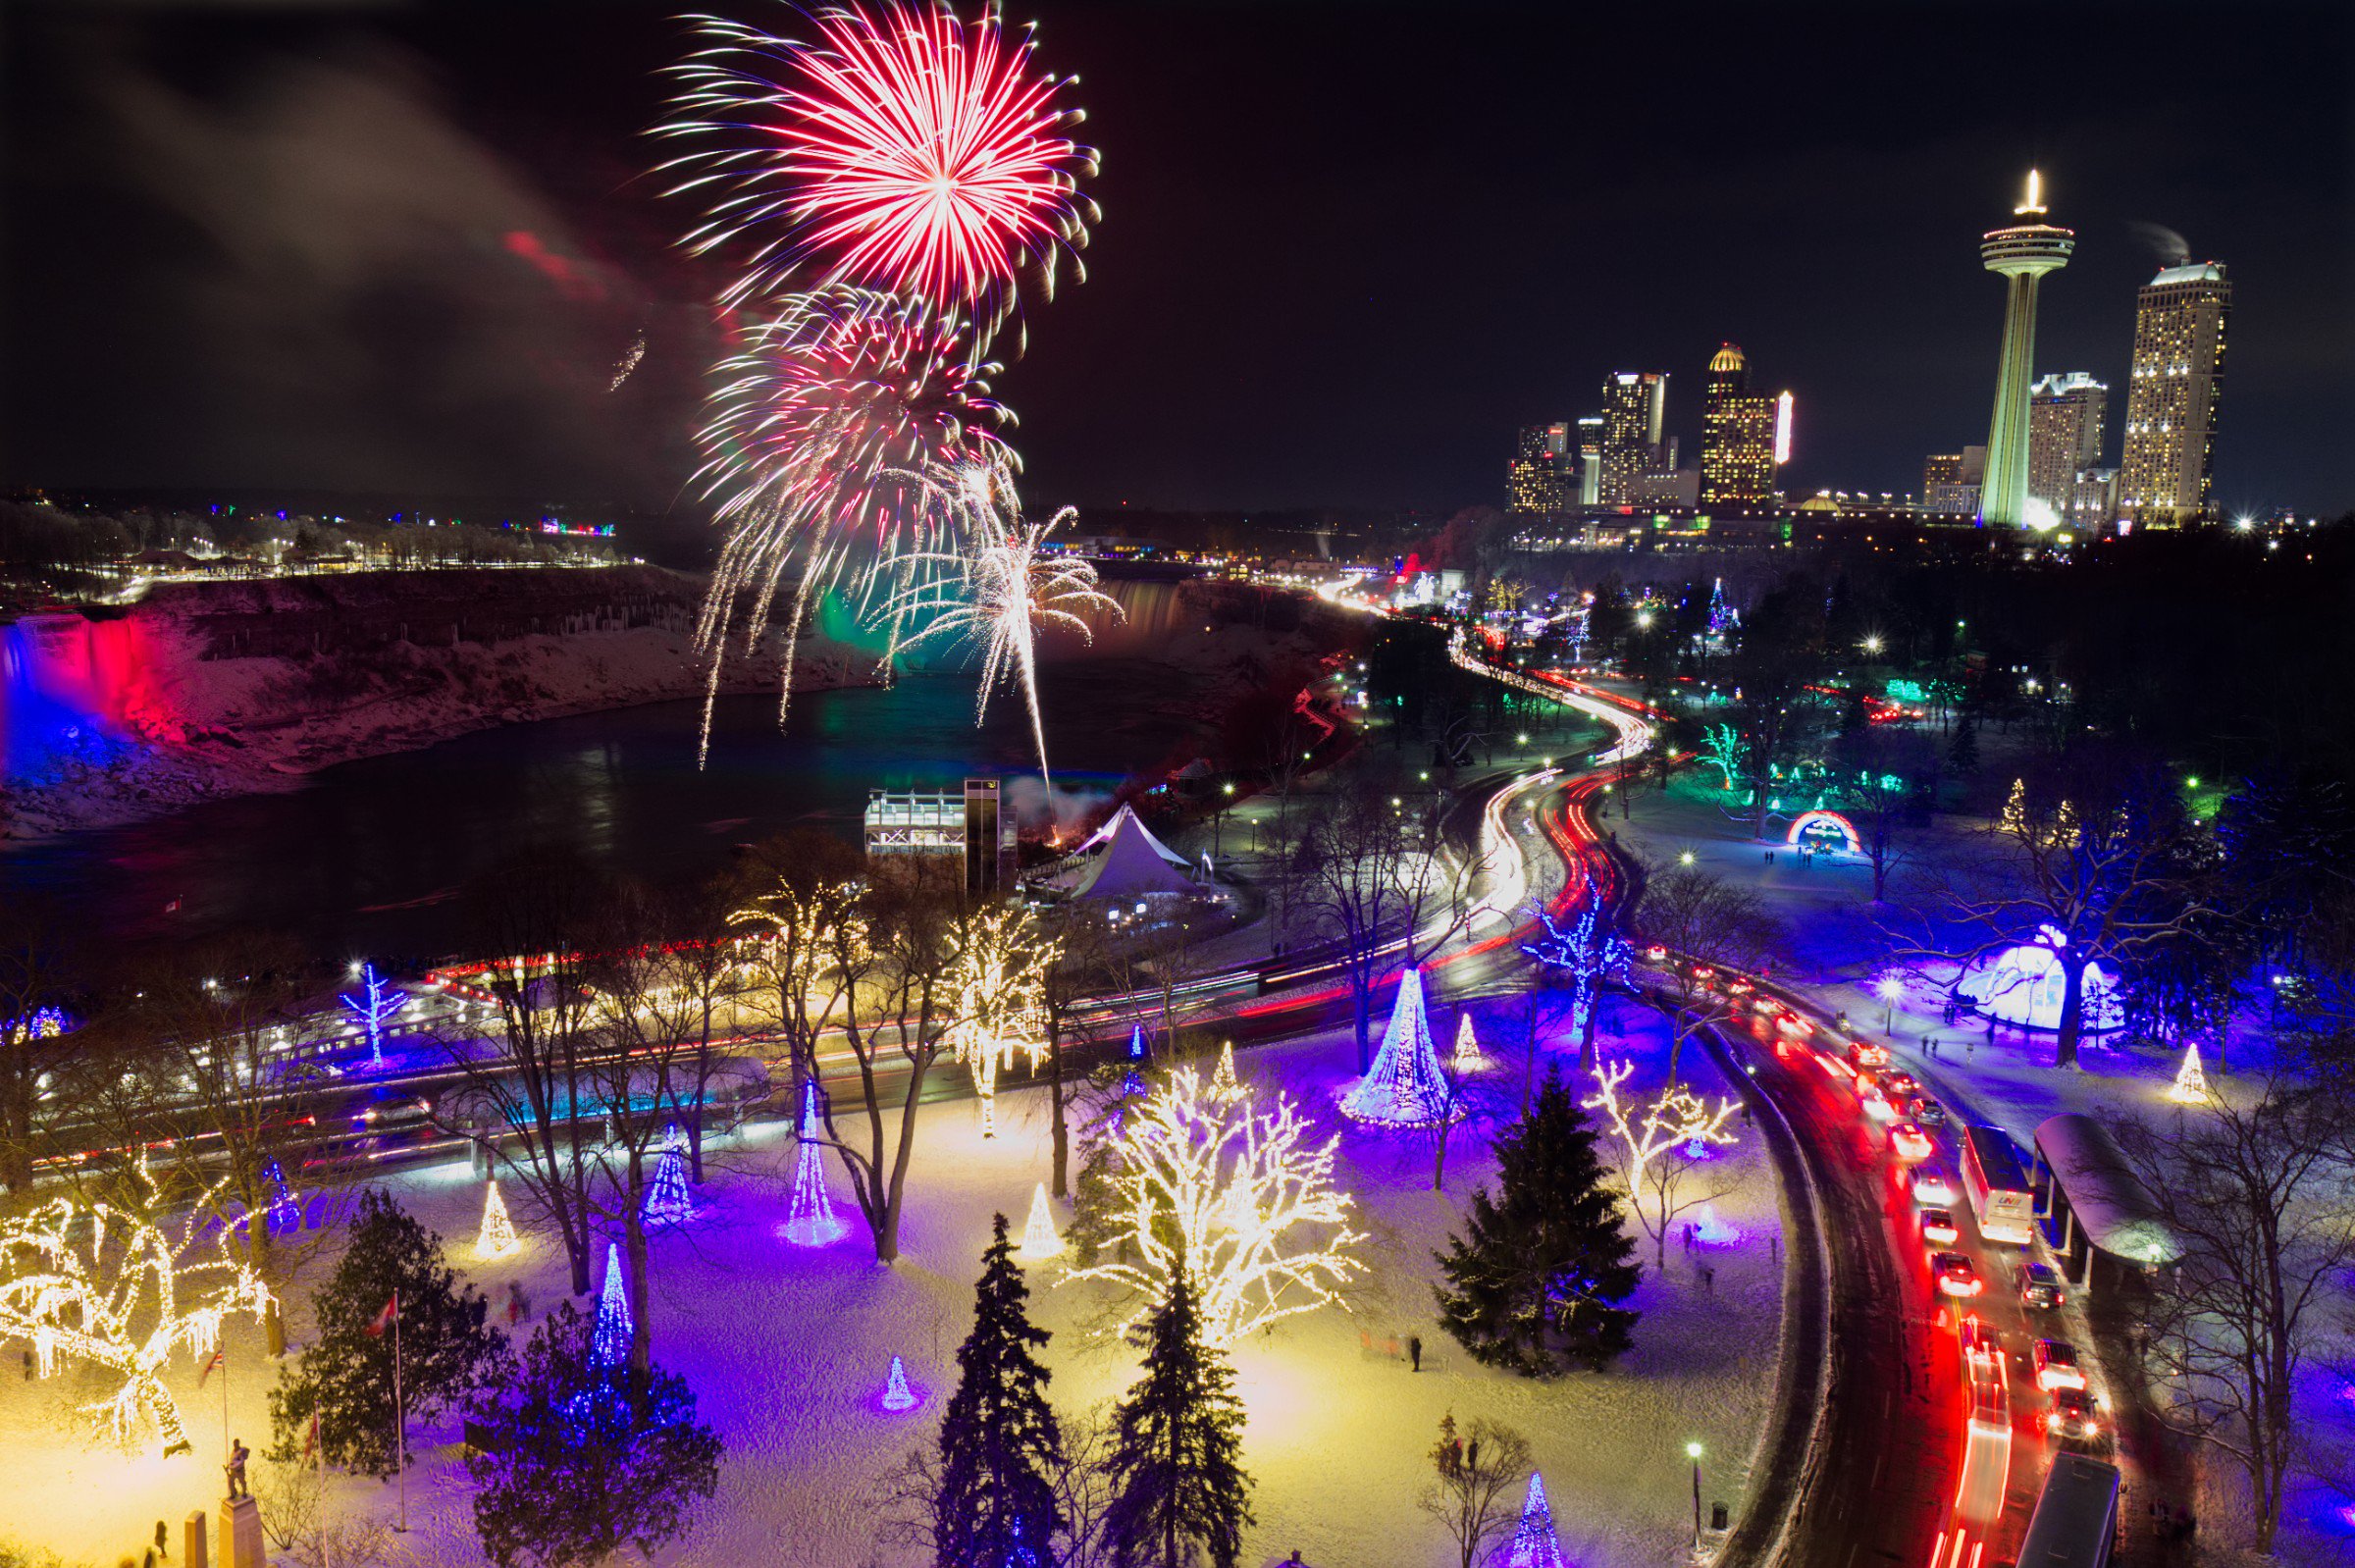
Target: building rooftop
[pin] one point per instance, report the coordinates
(2197, 272)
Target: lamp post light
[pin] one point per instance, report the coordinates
(1891, 991)
(1692, 1452)
(1218, 823)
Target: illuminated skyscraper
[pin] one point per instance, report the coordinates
(1737, 436)
(2171, 397)
(1589, 459)
(1634, 405)
(2064, 436)
(2022, 254)
(1543, 474)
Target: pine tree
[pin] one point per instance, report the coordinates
(1964, 749)
(446, 1348)
(1000, 1446)
(1175, 1475)
(1534, 1282)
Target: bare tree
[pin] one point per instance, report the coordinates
(1703, 920)
(2258, 1196)
(41, 1062)
(1476, 1476)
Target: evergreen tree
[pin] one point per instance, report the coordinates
(582, 1459)
(447, 1348)
(1000, 1447)
(1176, 1481)
(1534, 1282)
(1964, 749)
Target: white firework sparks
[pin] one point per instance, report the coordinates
(627, 363)
(1005, 586)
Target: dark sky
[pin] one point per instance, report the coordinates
(1345, 249)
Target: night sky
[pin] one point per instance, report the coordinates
(1345, 249)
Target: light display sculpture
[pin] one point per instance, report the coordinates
(109, 1287)
(810, 1216)
(1040, 1240)
(1405, 1086)
(1467, 1046)
(610, 1339)
(1223, 1082)
(498, 1238)
(668, 1200)
(1237, 1197)
(897, 1394)
(2191, 1079)
(1534, 1544)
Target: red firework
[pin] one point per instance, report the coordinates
(900, 148)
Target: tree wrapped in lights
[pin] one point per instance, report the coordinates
(1589, 953)
(110, 1287)
(1535, 1543)
(1234, 1197)
(1223, 1082)
(810, 1217)
(1000, 982)
(376, 1006)
(1405, 1086)
(1721, 749)
(498, 1238)
(668, 1200)
(609, 1341)
(1658, 1145)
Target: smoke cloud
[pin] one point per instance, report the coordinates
(2172, 249)
(1068, 810)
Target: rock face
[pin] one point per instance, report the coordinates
(205, 688)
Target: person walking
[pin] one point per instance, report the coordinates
(163, 1540)
(1414, 1352)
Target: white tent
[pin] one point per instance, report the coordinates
(1130, 864)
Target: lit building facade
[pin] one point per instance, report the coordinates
(1544, 475)
(1736, 435)
(2173, 394)
(1590, 460)
(2020, 254)
(1635, 406)
(2065, 416)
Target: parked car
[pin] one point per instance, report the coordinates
(2039, 1285)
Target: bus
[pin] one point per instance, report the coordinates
(2000, 1196)
(2075, 1521)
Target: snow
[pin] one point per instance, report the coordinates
(788, 1350)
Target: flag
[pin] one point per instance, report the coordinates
(383, 1319)
(209, 1367)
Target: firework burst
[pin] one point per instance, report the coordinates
(900, 148)
(819, 424)
(1003, 587)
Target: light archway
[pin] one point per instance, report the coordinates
(1807, 823)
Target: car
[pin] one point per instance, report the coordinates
(2056, 1366)
(1931, 1185)
(1865, 1053)
(1740, 987)
(1928, 1111)
(1656, 954)
(2039, 1285)
(2073, 1416)
(1899, 1086)
(1956, 1275)
(1911, 1142)
(1938, 1226)
(1877, 1104)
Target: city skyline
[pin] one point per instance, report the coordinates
(1365, 334)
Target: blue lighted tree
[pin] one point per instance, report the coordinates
(610, 1344)
(1589, 953)
(1535, 1543)
(373, 1010)
(1406, 1087)
(809, 1220)
(668, 1200)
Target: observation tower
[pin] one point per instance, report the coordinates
(2023, 253)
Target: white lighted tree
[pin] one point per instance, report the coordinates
(112, 1287)
(1237, 1197)
(1658, 1145)
(1000, 981)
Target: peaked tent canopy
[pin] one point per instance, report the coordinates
(1131, 863)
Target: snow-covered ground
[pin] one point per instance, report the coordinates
(787, 1350)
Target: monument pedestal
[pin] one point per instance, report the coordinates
(195, 1541)
(242, 1545)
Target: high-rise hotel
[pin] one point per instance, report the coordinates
(2176, 384)
(1635, 407)
(1738, 430)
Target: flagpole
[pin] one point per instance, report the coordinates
(401, 1418)
(225, 1446)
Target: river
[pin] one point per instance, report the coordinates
(368, 858)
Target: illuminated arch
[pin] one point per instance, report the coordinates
(1807, 823)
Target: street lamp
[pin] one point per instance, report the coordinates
(1218, 823)
(1692, 1452)
(1685, 858)
(1891, 990)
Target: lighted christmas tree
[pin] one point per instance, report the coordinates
(1534, 1544)
(609, 1341)
(1137, 1042)
(1040, 1240)
(1223, 1084)
(810, 1215)
(2191, 1080)
(897, 1395)
(1467, 1046)
(284, 1213)
(498, 1237)
(1405, 1086)
(668, 1200)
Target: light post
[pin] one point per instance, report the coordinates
(1692, 1452)
(1218, 823)
(1891, 991)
